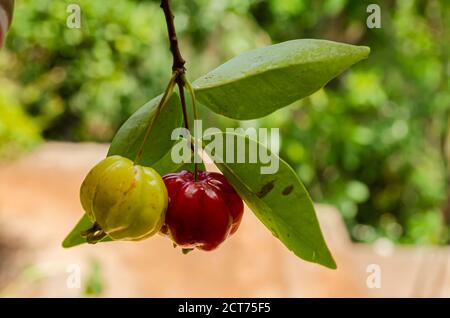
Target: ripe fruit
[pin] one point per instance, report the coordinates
(123, 200)
(201, 213)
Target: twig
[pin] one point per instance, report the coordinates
(192, 93)
(178, 68)
(162, 102)
(178, 61)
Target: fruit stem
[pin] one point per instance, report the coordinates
(168, 92)
(186, 125)
(183, 106)
(194, 107)
(179, 69)
(191, 92)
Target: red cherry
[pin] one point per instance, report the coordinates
(201, 213)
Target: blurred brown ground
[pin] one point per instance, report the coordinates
(39, 205)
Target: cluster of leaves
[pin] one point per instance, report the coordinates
(248, 86)
(370, 143)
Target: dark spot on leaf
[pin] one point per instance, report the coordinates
(266, 189)
(287, 190)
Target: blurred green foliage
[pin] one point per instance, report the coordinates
(94, 284)
(372, 143)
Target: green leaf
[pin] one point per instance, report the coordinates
(74, 238)
(128, 140)
(256, 83)
(279, 200)
(129, 137)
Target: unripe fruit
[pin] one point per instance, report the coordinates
(201, 213)
(123, 200)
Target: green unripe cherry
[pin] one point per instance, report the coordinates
(124, 201)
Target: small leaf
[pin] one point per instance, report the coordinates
(256, 83)
(129, 137)
(279, 200)
(74, 238)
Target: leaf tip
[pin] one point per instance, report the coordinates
(328, 261)
(332, 264)
(66, 244)
(364, 51)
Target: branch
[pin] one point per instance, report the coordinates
(178, 68)
(178, 61)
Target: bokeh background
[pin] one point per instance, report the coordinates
(374, 143)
